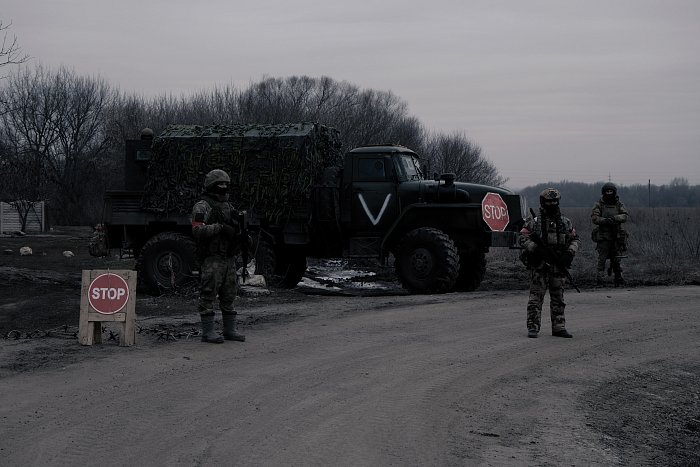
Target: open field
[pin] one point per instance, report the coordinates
(664, 249)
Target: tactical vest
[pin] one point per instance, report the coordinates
(554, 232)
(219, 213)
(610, 232)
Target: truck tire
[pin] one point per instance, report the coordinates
(166, 262)
(282, 269)
(427, 261)
(472, 268)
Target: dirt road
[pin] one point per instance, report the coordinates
(431, 380)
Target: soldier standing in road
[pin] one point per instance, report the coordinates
(550, 244)
(608, 215)
(217, 232)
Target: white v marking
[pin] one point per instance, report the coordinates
(374, 220)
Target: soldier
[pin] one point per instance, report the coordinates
(217, 232)
(550, 244)
(608, 215)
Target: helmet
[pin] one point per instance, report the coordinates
(214, 177)
(607, 187)
(549, 196)
(146, 133)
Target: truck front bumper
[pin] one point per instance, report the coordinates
(504, 239)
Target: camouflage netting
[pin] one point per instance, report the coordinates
(272, 167)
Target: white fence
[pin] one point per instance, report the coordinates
(10, 220)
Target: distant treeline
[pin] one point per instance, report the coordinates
(576, 194)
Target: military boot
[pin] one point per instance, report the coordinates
(618, 281)
(599, 279)
(562, 333)
(230, 333)
(208, 333)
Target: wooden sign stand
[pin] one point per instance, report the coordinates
(112, 307)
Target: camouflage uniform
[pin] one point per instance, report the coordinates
(607, 216)
(559, 236)
(216, 230)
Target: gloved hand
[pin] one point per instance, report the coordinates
(228, 231)
(609, 221)
(567, 258)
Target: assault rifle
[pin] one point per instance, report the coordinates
(239, 223)
(550, 256)
(245, 242)
(618, 244)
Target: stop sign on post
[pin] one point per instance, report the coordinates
(108, 293)
(494, 211)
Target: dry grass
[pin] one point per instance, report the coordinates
(664, 249)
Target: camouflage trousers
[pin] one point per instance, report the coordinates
(217, 278)
(542, 280)
(607, 250)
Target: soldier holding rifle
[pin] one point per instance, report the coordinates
(549, 244)
(608, 215)
(218, 232)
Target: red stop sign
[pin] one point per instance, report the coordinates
(108, 293)
(494, 211)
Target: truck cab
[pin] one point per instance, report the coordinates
(382, 184)
(389, 208)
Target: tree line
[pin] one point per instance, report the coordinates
(678, 193)
(62, 135)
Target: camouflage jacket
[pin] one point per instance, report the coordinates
(557, 234)
(208, 219)
(604, 230)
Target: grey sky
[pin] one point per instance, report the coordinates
(552, 90)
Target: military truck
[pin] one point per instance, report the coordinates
(305, 199)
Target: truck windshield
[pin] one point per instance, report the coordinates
(408, 167)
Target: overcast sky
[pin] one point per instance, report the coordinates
(579, 90)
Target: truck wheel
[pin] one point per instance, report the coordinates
(166, 262)
(472, 268)
(427, 261)
(283, 269)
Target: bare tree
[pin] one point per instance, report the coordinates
(10, 51)
(224, 104)
(457, 154)
(55, 130)
(28, 134)
(14, 189)
(361, 116)
(268, 102)
(78, 164)
(127, 117)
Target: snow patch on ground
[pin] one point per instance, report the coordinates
(338, 276)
